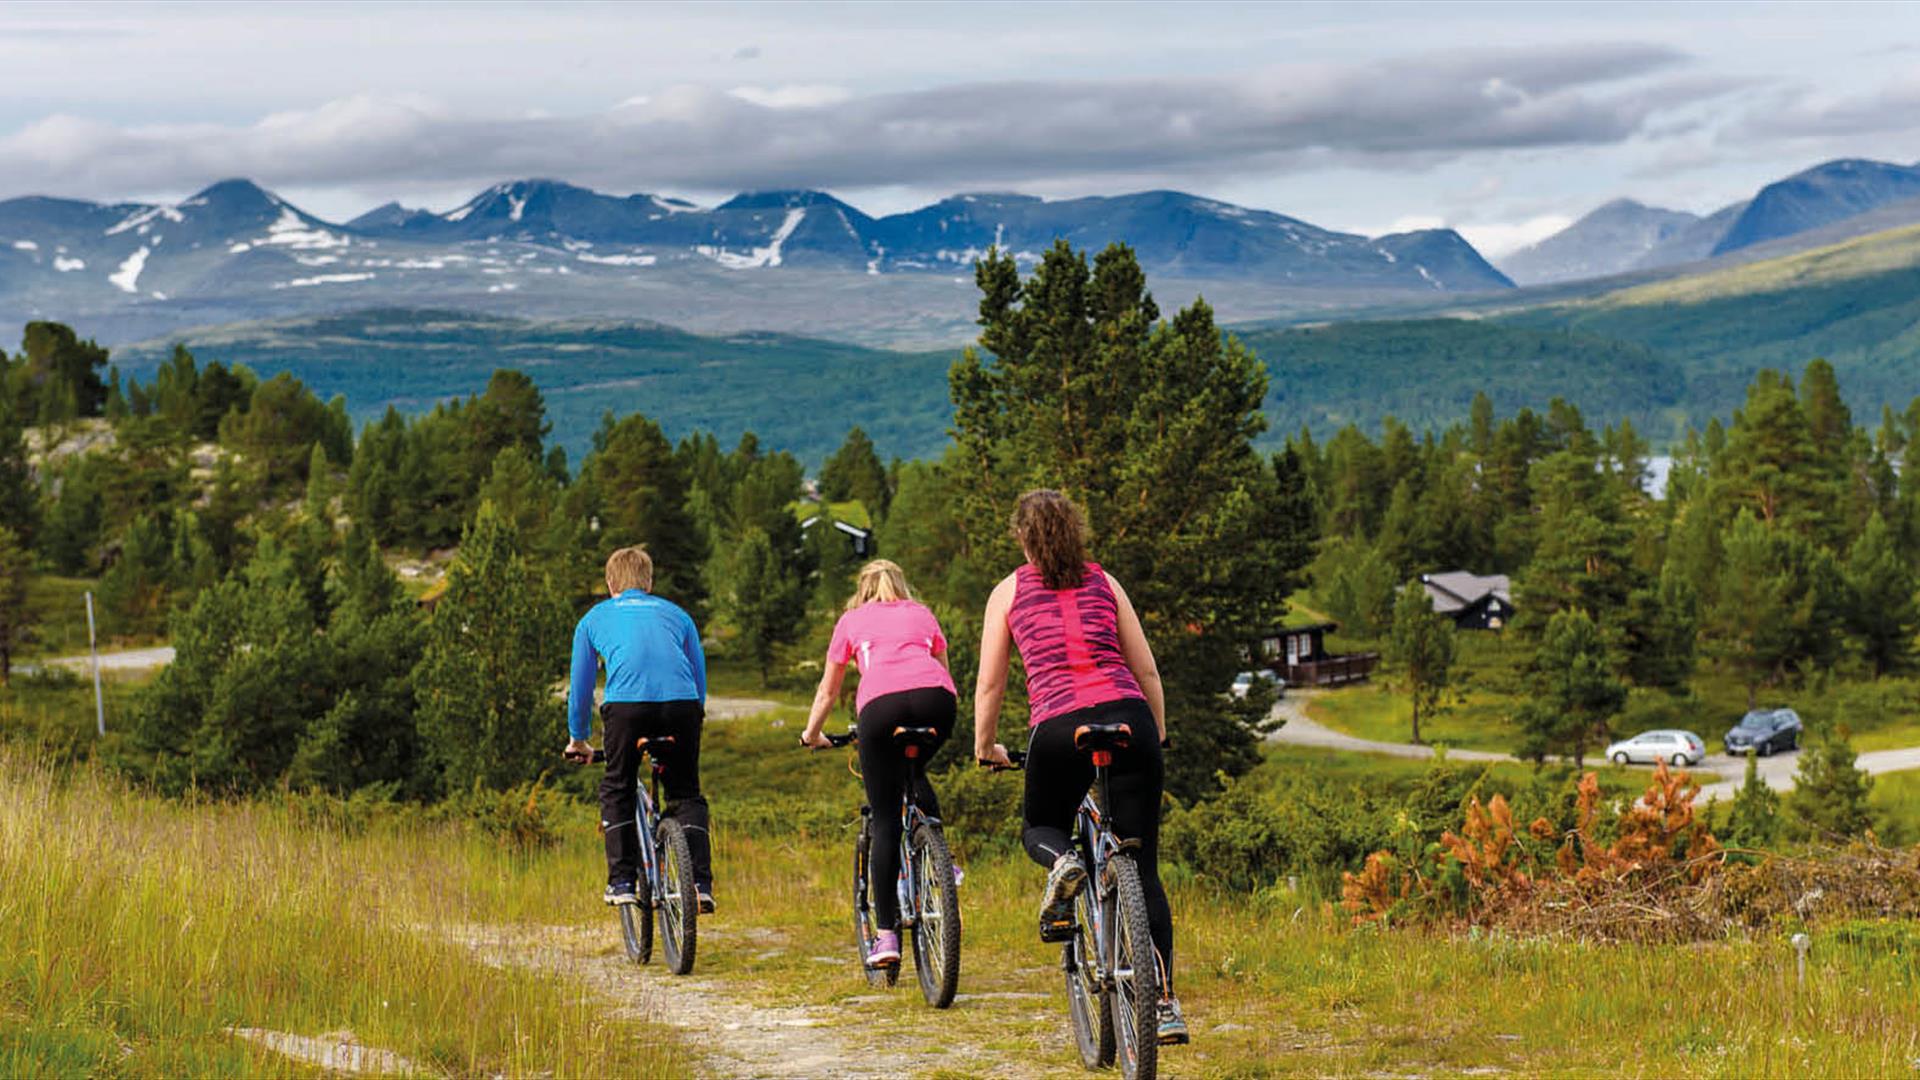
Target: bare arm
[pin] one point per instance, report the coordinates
(995, 644)
(1139, 655)
(831, 676)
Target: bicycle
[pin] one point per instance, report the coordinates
(929, 905)
(1107, 956)
(665, 889)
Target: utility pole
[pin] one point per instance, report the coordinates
(93, 649)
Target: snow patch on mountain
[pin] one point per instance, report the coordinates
(25, 245)
(291, 230)
(618, 260)
(760, 256)
(127, 277)
(322, 279)
(143, 218)
(66, 265)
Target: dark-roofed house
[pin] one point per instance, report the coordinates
(861, 540)
(1299, 654)
(1472, 601)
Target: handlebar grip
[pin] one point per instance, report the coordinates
(596, 758)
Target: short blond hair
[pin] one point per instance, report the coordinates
(630, 568)
(882, 580)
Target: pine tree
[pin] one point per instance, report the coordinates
(1421, 649)
(1149, 424)
(1880, 603)
(854, 472)
(635, 487)
(496, 647)
(1755, 820)
(763, 600)
(1575, 692)
(16, 618)
(1829, 792)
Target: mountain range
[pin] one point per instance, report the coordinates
(1792, 214)
(543, 247)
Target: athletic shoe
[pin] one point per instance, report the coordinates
(621, 892)
(705, 893)
(885, 951)
(1173, 1026)
(1064, 882)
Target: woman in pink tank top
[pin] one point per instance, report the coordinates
(896, 645)
(1087, 662)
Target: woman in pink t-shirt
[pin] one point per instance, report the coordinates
(896, 645)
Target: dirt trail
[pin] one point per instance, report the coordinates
(733, 1035)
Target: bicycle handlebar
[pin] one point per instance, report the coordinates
(598, 756)
(1016, 760)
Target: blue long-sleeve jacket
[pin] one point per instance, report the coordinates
(652, 650)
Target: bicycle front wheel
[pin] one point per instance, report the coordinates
(1135, 1000)
(864, 931)
(936, 918)
(636, 925)
(678, 906)
(1086, 996)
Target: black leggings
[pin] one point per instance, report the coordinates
(1058, 775)
(627, 721)
(885, 770)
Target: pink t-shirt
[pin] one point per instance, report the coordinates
(893, 644)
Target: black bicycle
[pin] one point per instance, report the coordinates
(929, 902)
(1112, 971)
(665, 889)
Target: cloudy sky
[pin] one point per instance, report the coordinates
(1502, 120)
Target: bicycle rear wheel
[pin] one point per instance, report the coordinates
(636, 924)
(678, 905)
(1135, 1001)
(1086, 998)
(936, 920)
(864, 931)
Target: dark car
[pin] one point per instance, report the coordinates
(1765, 731)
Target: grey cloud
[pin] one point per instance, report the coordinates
(1403, 113)
(1894, 107)
(747, 52)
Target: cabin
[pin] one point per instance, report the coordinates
(861, 540)
(1299, 654)
(1472, 601)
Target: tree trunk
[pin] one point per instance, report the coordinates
(1416, 718)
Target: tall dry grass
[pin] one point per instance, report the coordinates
(135, 932)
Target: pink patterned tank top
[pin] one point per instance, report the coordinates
(1069, 642)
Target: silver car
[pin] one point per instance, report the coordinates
(1672, 747)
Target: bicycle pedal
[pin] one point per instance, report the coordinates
(1053, 932)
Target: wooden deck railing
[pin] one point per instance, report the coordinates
(1333, 671)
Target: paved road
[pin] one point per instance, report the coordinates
(1777, 771)
(126, 660)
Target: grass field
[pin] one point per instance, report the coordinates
(133, 949)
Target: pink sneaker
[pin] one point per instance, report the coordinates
(885, 951)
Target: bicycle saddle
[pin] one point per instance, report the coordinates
(915, 736)
(648, 746)
(1102, 737)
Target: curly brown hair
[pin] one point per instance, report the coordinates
(1053, 532)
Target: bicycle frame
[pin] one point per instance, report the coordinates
(1098, 845)
(646, 814)
(911, 816)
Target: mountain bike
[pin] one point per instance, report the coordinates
(664, 890)
(1112, 971)
(929, 902)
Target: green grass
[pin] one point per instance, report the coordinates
(135, 932)
(131, 951)
(1373, 711)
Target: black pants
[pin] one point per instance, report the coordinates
(886, 772)
(627, 721)
(1058, 775)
